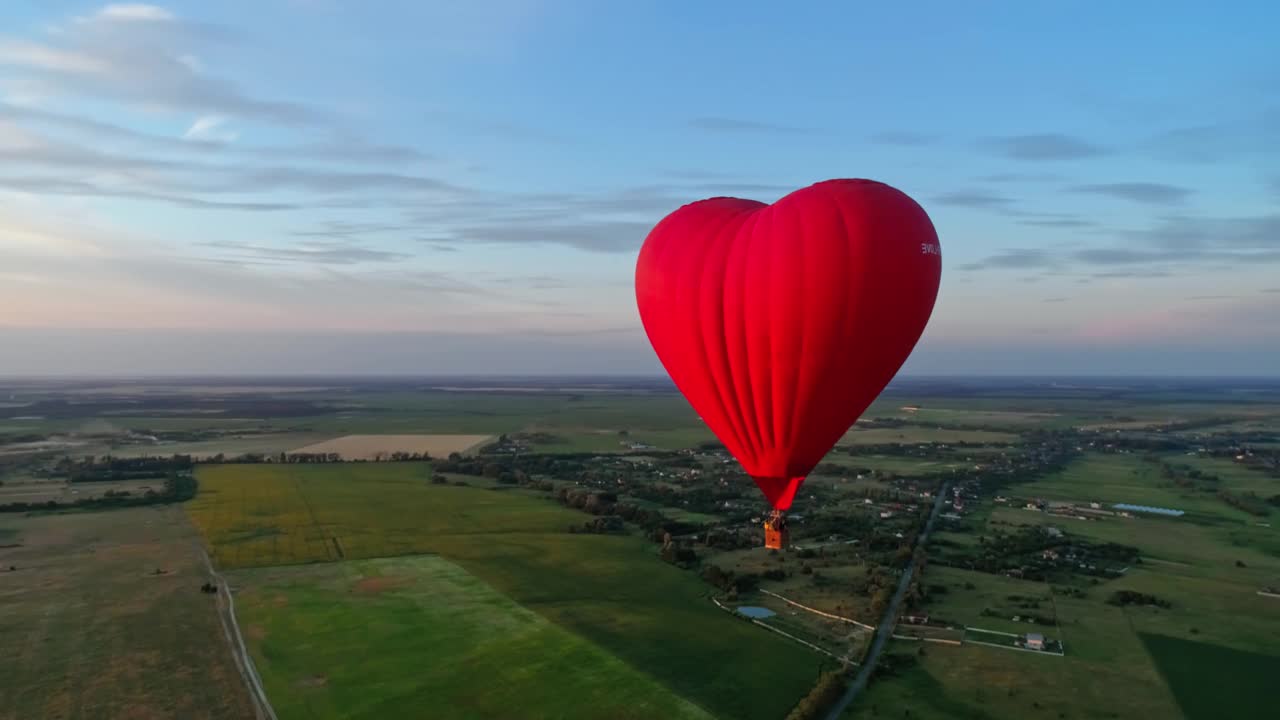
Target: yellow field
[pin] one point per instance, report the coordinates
(372, 447)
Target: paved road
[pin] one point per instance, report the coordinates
(887, 622)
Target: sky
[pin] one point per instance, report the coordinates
(330, 187)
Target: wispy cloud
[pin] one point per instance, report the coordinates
(1172, 243)
(1147, 193)
(136, 12)
(973, 199)
(210, 127)
(1015, 259)
(140, 55)
(1045, 146)
(735, 125)
(1068, 223)
(310, 253)
(1010, 177)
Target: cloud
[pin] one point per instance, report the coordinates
(344, 229)
(1060, 222)
(312, 253)
(83, 188)
(1020, 177)
(1272, 290)
(140, 55)
(732, 125)
(1055, 299)
(973, 199)
(210, 128)
(1130, 274)
(136, 12)
(50, 59)
(607, 236)
(1251, 139)
(1114, 256)
(1046, 146)
(904, 138)
(1147, 193)
(1015, 259)
(1213, 297)
(1172, 243)
(1260, 232)
(341, 148)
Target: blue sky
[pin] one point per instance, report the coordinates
(325, 186)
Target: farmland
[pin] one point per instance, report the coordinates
(89, 630)
(609, 590)
(472, 585)
(448, 642)
(1211, 681)
(872, 435)
(371, 447)
(1123, 479)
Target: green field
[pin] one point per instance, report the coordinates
(963, 605)
(579, 440)
(977, 682)
(869, 434)
(897, 464)
(446, 641)
(1124, 479)
(611, 591)
(1232, 475)
(1211, 681)
(88, 630)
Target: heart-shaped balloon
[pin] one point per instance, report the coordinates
(781, 323)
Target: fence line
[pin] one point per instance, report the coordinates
(819, 612)
(766, 626)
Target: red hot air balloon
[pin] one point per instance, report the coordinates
(781, 323)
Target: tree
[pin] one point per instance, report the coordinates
(880, 601)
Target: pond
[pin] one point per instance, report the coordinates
(752, 611)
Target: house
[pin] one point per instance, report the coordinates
(1035, 641)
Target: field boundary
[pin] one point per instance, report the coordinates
(967, 641)
(862, 625)
(788, 635)
(231, 628)
(917, 638)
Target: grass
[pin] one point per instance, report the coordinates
(1179, 548)
(1124, 479)
(962, 604)
(897, 464)
(1211, 681)
(610, 590)
(1232, 476)
(88, 631)
(447, 641)
(975, 682)
(869, 434)
(580, 440)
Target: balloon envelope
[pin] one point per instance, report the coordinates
(781, 323)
